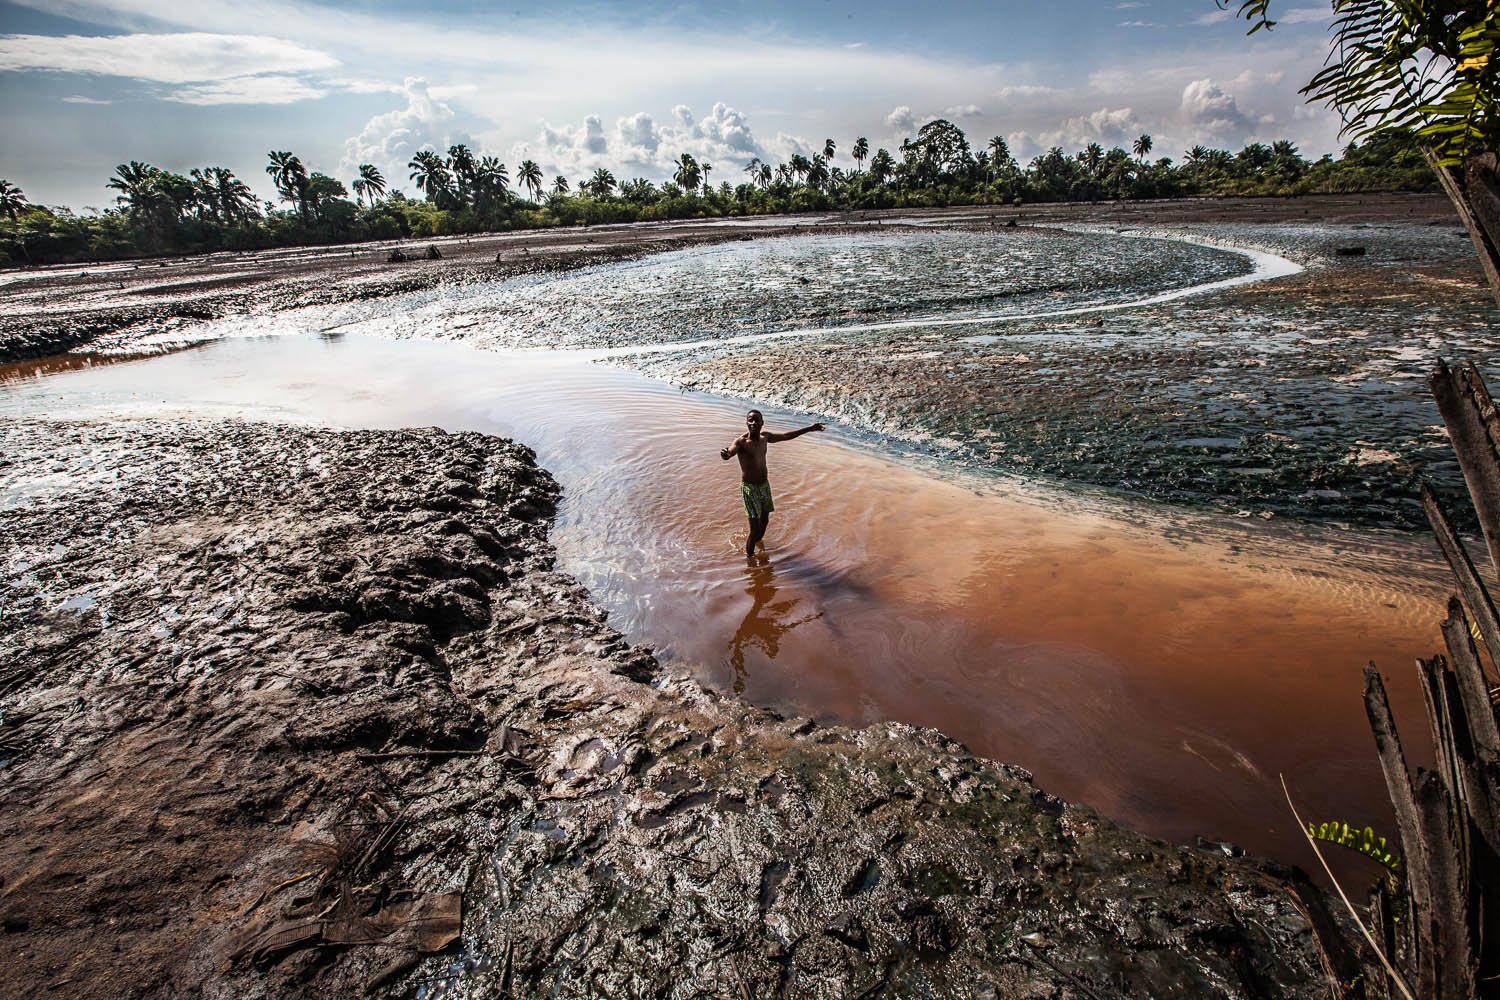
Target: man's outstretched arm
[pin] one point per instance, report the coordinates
(788, 435)
(727, 453)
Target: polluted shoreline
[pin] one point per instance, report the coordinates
(299, 716)
(1295, 395)
(380, 724)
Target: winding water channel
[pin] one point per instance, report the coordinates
(1162, 665)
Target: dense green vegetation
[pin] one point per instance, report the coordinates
(160, 212)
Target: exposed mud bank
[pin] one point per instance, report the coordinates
(45, 311)
(271, 695)
(1303, 395)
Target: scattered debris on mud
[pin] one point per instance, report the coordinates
(287, 710)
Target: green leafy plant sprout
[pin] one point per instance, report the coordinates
(1312, 841)
(1364, 841)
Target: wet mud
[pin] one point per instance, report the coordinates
(1296, 396)
(1301, 396)
(287, 711)
(45, 311)
(273, 696)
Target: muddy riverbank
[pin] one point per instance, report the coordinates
(288, 710)
(274, 697)
(1302, 395)
(45, 311)
(1025, 340)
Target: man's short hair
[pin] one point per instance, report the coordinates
(756, 412)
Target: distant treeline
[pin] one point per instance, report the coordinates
(160, 212)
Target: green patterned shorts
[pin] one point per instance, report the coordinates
(757, 497)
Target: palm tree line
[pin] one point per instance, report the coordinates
(463, 191)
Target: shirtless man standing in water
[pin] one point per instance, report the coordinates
(756, 491)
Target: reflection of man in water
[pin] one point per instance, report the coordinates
(754, 488)
(762, 626)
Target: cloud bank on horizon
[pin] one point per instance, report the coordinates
(576, 87)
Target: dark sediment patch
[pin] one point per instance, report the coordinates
(1302, 396)
(256, 673)
(56, 309)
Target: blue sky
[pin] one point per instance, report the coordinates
(89, 84)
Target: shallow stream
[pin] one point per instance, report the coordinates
(1162, 665)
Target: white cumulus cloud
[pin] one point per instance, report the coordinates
(901, 121)
(1107, 126)
(389, 140)
(638, 138)
(639, 146)
(963, 111)
(1211, 113)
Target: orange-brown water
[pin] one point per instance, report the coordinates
(1160, 665)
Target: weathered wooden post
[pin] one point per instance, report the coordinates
(1447, 944)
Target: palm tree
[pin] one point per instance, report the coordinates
(205, 195)
(817, 173)
(882, 164)
(1141, 147)
(227, 198)
(1001, 162)
(559, 185)
(860, 151)
(828, 151)
(12, 201)
(370, 182)
(490, 181)
(236, 200)
(1092, 158)
(602, 184)
(1286, 163)
(1118, 172)
(707, 169)
(461, 163)
(752, 170)
(136, 182)
(1252, 161)
(530, 177)
(638, 191)
(430, 174)
(12, 204)
(800, 165)
(323, 190)
(688, 173)
(290, 178)
(765, 175)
